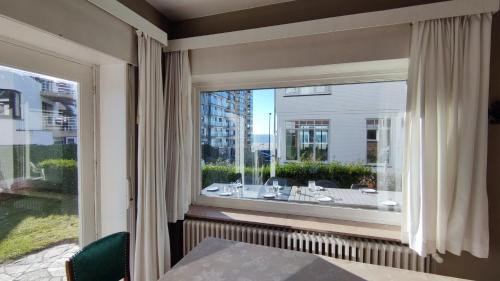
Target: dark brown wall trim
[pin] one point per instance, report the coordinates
(148, 12)
(288, 12)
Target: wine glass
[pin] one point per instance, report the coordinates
(276, 187)
(232, 187)
(239, 187)
(312, 187)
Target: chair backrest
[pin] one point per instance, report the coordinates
(281, 181)
(358, 186)
(105, 259)
(327, 184)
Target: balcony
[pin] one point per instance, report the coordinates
(53, 121)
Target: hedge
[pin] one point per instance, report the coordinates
(343, 174)
(39, 153)
(60, 174)
(219, 174)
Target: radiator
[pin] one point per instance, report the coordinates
(363, 250)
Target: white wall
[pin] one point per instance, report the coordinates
(113, 160)
(377, 43)
(79, 21)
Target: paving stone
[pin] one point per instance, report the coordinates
(57, 271)
(37, 266)
(54, 252)
(47, 265)
(31, 259)
(5, 277)
(13, 269)
(58, 263)
(34, 275)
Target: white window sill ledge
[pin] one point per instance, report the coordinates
(330, 226)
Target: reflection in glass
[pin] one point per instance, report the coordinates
(38, 162)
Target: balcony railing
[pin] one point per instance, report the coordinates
(55, 121)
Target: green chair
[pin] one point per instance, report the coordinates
(106, 259)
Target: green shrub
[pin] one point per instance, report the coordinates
(39, 153)
(343, 174)
(61, 174)
(218, 174)
(13, 157)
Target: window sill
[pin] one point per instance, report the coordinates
(330, 226)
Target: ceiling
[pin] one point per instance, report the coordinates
(178, 10)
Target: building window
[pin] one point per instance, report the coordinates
(321, 89)
(306, 90)
(307, 140)
(347, 143)
(378, 141)
(290, 91)
(10, 104)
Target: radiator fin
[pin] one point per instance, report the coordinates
(369, 251)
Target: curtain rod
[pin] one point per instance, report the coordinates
(130, 17)
(404, 15)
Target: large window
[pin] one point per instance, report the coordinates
(378, 141)
(38, 163)
(340, 148)
(307, 140)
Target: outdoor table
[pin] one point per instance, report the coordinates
(340, 196)
(348, 197)
(248, 191)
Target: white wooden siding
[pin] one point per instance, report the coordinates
(347, 109)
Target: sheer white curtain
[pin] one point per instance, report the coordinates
(446, 207)
(152, 248)
(180, 143)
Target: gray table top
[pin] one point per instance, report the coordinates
(222, 260)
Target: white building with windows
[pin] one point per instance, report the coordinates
(351, 123)
(36, 110)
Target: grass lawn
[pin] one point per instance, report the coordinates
(29, 224)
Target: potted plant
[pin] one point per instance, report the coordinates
(368, 180)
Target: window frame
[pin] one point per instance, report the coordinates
(300, 209)
(299, 141)
(14, 104)
(386, 124)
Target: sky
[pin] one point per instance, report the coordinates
(27, 73)
(263, 104)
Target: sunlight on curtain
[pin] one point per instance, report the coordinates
(446, 205)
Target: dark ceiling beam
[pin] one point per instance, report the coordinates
(282, 13)
(148, 12)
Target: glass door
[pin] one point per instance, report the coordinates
(47, 178)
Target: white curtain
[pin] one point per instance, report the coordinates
(180, 141)
(152, 248)
(446, 207)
